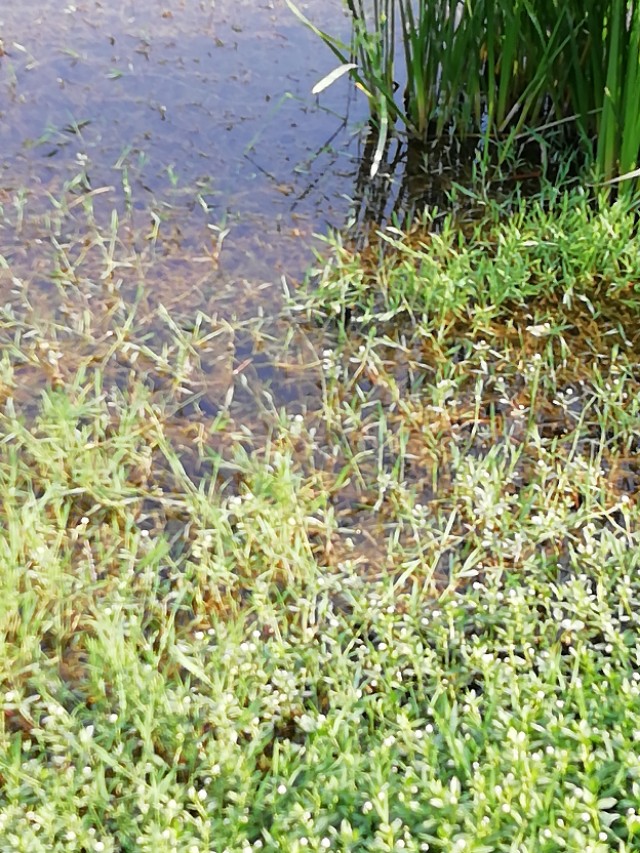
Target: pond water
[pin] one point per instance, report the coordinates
(168, 155)
(161, 158)
(207, 100)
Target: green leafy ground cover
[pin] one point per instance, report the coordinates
(405, 620)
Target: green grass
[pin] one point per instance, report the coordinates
(407, 620)
(449, 266)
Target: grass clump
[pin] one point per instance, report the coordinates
(405, 620)
(559, 245)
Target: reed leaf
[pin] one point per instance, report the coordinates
(490, 68)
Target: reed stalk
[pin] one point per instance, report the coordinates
(490, 69)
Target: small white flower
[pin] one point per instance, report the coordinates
(87, 734)
(540, 330)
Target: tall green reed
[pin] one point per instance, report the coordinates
(491, 69)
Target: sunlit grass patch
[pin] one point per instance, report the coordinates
(113, 587)
(403, 618)
(227, 679)
(560, 244)
(313, 705)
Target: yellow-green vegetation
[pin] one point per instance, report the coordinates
(405, 619)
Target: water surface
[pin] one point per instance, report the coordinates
(164, 159)
(199, 109)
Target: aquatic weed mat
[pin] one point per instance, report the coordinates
(403, 620)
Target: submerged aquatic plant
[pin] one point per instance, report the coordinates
(490, 70)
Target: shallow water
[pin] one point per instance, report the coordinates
(201, 109)
(157, 160)
(168, 156)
